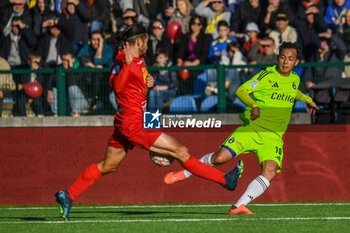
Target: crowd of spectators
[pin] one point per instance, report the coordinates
(38, 34)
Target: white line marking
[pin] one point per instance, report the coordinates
(176, 206)
(179, 220)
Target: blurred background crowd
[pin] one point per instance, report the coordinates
(80, 33)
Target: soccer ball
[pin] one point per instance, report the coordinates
(160, 160)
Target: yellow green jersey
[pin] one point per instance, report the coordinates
(275, 94)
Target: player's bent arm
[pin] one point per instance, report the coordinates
(303, 98)
(243, 94)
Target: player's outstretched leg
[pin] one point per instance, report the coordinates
(176, 176)
(113, 158)
(169, 146)
(64, 203)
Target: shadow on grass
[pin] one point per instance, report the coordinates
(142, 212)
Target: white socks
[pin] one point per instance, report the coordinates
(254, 190)
(205, 159)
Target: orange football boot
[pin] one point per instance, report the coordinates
(173, 177)
(240, 210)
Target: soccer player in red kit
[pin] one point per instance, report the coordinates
(130, 80)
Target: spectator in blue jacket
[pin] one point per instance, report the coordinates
(335, 14)
(218, 46)
(97, 55)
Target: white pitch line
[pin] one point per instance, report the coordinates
(179, 220)
(177, 206)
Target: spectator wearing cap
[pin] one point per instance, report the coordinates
(10, 9)
(246, 12)
(270, 12)
(214, 11)
(252, 31)
(335, 14)
(283, 31)
(158, 39)
(182, 14)
(80, 16)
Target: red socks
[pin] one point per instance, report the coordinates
(84, 181)
(204, 170)
(91, 174)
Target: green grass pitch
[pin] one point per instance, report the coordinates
(201, 218)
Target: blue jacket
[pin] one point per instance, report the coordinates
(335, 16)
(107, 55)
(217, 49)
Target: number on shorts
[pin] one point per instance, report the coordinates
(278, 150)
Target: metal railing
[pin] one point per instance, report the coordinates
(220, 71)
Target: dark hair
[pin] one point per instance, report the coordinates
(233, 44)
(150, 27)
(66, 52)
(223, 23)
(157, 20)
(15, 18)
(201, 19)
(290, 45)
(161, 51)
(269, 38)
(34, 54)
(130, 34)
(97, 32)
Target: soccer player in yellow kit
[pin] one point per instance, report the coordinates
(265, 120)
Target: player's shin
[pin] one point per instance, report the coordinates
(204, 170)
(87, 178)
(205, 159)
(257, 187)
